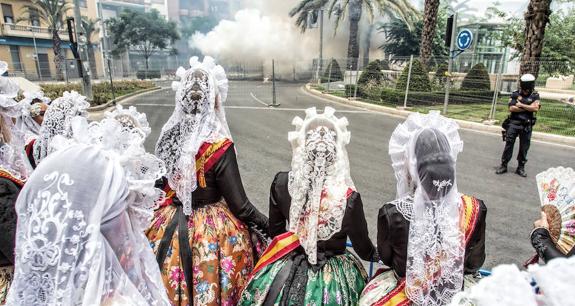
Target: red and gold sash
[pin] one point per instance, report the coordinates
(7, 175)
(206, 158)
(282, 245)
(469, 215)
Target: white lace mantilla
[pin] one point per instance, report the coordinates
(319, 178)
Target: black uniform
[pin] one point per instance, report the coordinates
(520, 125)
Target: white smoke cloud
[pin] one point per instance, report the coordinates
(264, 31)
(253, 36)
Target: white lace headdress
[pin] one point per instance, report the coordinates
(11, 140)
(8, 92)
(319, 178)
(198, 117)
(76, 240)
(26, 123)
(423, 151)
(508, 286)
(505, 286)
(57, 121)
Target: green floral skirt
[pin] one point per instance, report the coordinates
(339, 282)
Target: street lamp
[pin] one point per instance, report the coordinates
(36, 52)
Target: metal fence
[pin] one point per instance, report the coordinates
(462, 94)
(394, 81)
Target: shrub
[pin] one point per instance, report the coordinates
(336, 74)
(102, 91)
(396, 97)
(350, 90)
(476, 79)
(371, 73)
(440, 76)
(150, 74)
(419, 78)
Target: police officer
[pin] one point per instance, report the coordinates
(523, 105)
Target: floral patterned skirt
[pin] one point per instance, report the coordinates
(385, 282)
(339, 282)
(222, 256)
(6, 276)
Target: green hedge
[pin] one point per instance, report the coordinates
(150, 74)
(395, 97)
(335, 70)
(476, 79)
(102, 91)
(372, 72)
(419, 80)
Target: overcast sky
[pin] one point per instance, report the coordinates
(513, 7)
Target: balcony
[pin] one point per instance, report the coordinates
(18, 30)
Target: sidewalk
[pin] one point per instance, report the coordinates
(493, 129)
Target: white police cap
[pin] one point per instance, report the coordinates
(528, 77)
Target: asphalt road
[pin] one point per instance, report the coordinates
(260, 134)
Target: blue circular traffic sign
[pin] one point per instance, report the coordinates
(464, 39)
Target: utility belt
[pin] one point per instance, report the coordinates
(525, 124)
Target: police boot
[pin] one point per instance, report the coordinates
(521, 171)
(501, 169)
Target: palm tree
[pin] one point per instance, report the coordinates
(91, 28)
(353, 10)
(429, 24)
(536, 19)
(53, 13)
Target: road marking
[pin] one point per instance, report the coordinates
(266, 108)
(290, 109)
(258, 100)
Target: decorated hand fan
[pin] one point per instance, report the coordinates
(557, 195)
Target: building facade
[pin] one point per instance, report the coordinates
(27, 46)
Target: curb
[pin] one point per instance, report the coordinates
(120, 99)
(492, 129)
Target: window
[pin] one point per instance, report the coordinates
(83, 3)
(34, 18)
(15, 55)
(8, 15)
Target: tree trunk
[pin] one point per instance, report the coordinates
(367, 45)
(59, 58)
(536, 19)
(92, 60)
(428, 32)
(354, 9)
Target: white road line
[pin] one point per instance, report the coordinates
(265, 108)
(289, 109)
(258, 100)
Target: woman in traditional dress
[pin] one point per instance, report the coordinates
(57, 121)
(12, 177)
(431, 235)
(81, 221)
(34, 106)
(200, 233)
(317, 200)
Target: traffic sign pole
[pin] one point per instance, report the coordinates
(450, 64)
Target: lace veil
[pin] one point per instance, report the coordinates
(82, 216)
(26, 123)
(319, 178)
(57, 121)
(11, 139)
(424, 150)
(550, 285)
(198, 117)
